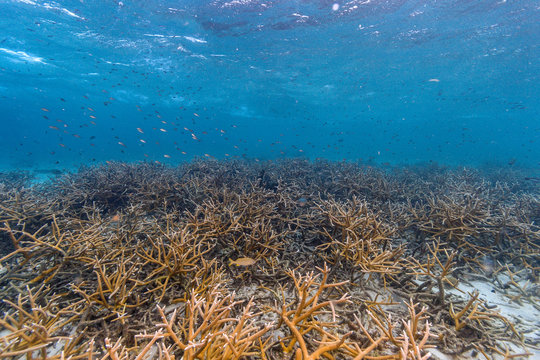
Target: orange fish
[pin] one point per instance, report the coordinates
(140, 130)
(115, 217)
(243, 261)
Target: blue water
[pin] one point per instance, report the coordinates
(401, 82)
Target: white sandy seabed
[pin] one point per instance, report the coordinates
(523, 314)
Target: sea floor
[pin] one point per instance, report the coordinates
(277, 260)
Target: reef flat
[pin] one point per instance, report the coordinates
(269, 260)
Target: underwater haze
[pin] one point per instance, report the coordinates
(385, 82)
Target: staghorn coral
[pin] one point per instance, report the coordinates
(101, 263)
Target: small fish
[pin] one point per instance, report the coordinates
(434, 80)
(53, 127)
(167, 156)
(45, 109)
(92, 116)
(121, 143)
(140, 130)
(162, 130)
(143, 141)
(243, 261)
(197, 115)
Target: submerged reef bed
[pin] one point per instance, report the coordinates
(278, 260)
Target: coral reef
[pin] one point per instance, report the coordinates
(134, 261)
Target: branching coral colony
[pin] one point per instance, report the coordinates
(339, 261)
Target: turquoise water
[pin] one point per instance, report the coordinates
(397, 82)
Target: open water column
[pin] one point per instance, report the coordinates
(281, 179)
(398, 82)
